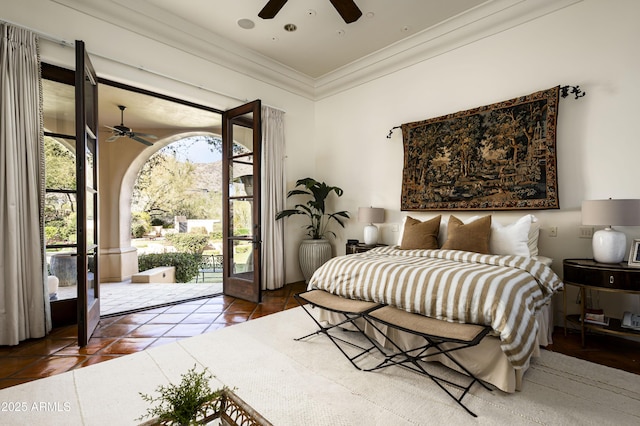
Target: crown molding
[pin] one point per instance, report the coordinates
(146, 20)
(479, 23)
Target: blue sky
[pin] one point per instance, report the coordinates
(197, 151)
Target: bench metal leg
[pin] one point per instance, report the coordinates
(414, 358)
(349, 318)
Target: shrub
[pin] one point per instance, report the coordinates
(139, 230)
(140, 224)
(189, 243)
(201, 230)
(157, 222)
(186, 264)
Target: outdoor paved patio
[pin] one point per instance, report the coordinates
(126, 296)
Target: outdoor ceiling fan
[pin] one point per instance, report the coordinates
(346, 8)
(124, 131)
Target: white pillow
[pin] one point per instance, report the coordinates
(534, 233)
(511, 239)
(519, 238)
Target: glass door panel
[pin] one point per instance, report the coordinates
(241, 193)
(86, 86)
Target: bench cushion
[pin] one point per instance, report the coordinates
(420, 324)
(335, 303)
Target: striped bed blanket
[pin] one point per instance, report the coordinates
(503, 292)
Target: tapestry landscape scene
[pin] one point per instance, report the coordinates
(496, 157)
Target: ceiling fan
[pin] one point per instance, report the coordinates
(346, 8)
(124, 131)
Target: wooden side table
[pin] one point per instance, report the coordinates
(587, 274)
(360, 248)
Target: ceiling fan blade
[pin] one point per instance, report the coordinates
(271, 9)
(347, 9)
(142, 141)
(112, 128)
(113, 138)
(145, 135)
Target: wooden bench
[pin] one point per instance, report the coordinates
(160, 274)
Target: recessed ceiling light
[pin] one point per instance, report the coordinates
(290, 27)
(370, 15)
(245, 23)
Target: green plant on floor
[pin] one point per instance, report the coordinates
(314, 208)
(187, 403)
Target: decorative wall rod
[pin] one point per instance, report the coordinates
(564, 92)
(391, 131)
(574, 90)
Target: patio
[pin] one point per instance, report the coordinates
(119, 297)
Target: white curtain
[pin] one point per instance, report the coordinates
(273, 198)
(24, 301)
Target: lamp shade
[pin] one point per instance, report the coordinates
(609, 245)
(370, 214)
(611, 212)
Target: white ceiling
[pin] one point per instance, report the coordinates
(322, 57)
(323, 42)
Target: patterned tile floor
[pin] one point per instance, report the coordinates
(121, 335)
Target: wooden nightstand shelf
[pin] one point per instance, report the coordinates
(361, 247)
(587, 274)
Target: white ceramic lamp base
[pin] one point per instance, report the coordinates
(609, 246)
(370, 235)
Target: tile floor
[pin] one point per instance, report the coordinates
(125, 334)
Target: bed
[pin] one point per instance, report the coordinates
(509, 292)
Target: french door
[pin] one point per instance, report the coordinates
(241, 153)
(86, 98)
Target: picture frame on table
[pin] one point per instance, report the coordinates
(634, 254)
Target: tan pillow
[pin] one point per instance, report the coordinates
(473, 236)
(420, 235)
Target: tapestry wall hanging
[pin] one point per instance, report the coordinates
(494, 157)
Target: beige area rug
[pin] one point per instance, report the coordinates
(310, 383)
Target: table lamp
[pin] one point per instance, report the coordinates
(370, 215)
(609, 245)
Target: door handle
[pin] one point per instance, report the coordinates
(256, 241)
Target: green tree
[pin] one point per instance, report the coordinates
(59, 207)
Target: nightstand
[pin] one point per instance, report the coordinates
(587, 274)
(361, 247)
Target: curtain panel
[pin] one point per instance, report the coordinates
(24, 305)
(273, 198)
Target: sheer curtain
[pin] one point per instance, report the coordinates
(24, 301)
(273, 198)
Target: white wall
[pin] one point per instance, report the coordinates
(342, 139)
(593, 44)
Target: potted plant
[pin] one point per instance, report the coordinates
(317, 250)
(192, 402)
